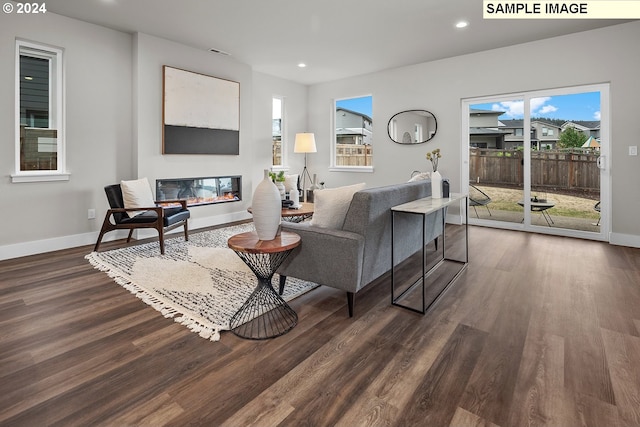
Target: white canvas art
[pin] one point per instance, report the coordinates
(197, 100)
(201, 113)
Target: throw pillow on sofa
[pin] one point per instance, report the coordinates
(420, 176)
(331, 205)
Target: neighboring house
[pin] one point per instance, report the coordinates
(590, 128)
(353, 127)
(487, 131)
(484, 129)
(544, 135)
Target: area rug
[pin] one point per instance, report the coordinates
(199, 283)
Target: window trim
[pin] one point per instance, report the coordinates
(56, 110)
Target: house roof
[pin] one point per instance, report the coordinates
(479, 111)
(519, 123)
(585, 124)
(487, 131)
(512, 123)
(355, 113)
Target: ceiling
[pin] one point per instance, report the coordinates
(335, 38)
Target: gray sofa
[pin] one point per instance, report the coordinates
(352, 257)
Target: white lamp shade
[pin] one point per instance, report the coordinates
(305, 143)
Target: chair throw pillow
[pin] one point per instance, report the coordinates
(137, 194)
(331, 205)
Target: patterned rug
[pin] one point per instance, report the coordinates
(200, 283)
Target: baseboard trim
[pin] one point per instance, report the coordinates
(35, 247)
(619, 239)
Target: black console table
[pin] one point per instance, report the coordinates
(424, 207)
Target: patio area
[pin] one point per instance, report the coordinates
(571, 212)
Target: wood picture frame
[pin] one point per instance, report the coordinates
(200, 113)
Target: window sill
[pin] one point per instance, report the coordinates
(39, 177)
(364, 169)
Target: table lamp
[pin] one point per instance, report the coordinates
(305, 143)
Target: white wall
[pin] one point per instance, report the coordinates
(47, 215)
(151, 53)
(440, 86)
(114, 130)
(294, 121)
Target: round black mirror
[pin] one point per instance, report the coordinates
(412, 127)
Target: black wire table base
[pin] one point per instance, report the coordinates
(297, 218)
(265, 314)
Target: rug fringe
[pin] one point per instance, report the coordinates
(205, 331)
(120, 270)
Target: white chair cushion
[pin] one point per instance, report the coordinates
(137, 194)
(331, 205)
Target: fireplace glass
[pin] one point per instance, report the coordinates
(200, 191)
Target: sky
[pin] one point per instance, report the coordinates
(580, 106)
(362, 105)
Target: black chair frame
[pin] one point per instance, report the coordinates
(161, 218)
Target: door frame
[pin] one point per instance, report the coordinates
(605, 154)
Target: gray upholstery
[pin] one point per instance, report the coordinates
(351, 258)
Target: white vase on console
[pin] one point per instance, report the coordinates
(436, 185)
(266, 207)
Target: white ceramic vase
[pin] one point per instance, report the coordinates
(436, 185)
(266, 207)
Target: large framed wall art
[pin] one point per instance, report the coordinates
(200, 113)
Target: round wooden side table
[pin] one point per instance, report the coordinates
(265, 314)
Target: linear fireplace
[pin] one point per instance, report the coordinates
(200, 191)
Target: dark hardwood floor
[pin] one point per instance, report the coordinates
(538, 330)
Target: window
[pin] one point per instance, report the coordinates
(39, 114)
(353, 134)
(277, 132)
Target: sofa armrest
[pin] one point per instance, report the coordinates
(325, 256)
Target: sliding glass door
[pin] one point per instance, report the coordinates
(537, 161)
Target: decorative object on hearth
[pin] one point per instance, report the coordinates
(436, 178)
(266, 206)
(199, 283)
(305, 143)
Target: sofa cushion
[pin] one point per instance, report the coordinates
(331, 204)
(137, 194)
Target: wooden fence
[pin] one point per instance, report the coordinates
(551, 169)
(353, 155)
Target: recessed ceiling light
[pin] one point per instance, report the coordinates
(28, 78)
(462, 24)
(302, 65)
